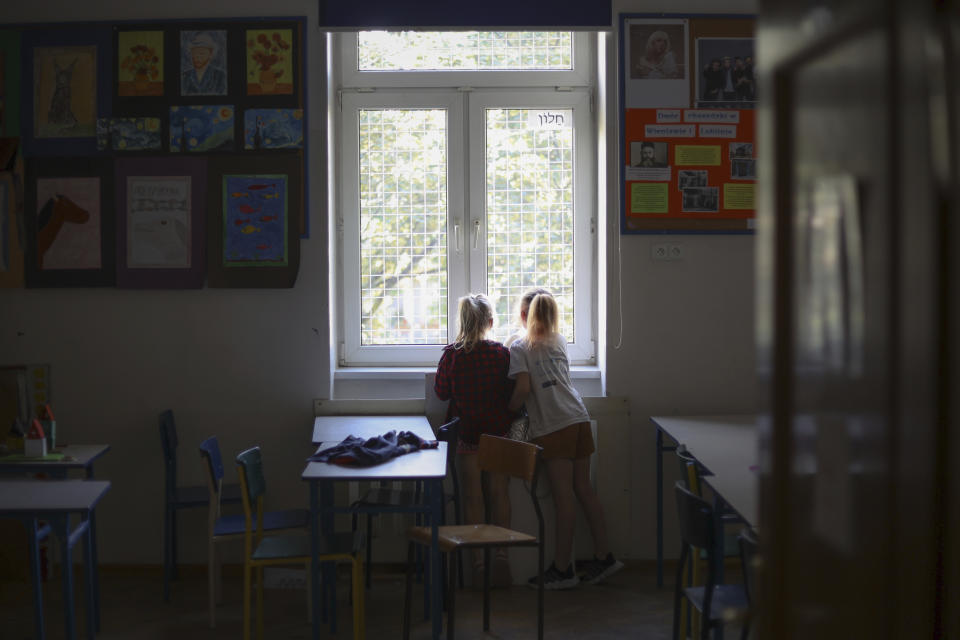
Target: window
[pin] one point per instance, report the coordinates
(466, 164)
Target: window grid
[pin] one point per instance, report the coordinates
(530, 221)
(403, 213)
(464, 50)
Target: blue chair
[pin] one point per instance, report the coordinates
(715, 602)
(177, 497)
(232, 527)
(260, 550)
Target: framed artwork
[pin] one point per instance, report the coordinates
(139, 60)
(253, 232)
(65, 92)
(201, 128)
(129, 134)
(11, 234)
(270, 69)
(203, 63)
(273, 129)
(161, 226)
(68, 207)
(10, 72)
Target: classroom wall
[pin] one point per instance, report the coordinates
(247, 364)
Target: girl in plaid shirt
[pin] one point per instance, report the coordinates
(472, 374)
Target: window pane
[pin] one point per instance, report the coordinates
(464, 50)
(403, 222)
(529, 193)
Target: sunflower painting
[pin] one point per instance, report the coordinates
(201, 128)
(269, 62)
(140, 63)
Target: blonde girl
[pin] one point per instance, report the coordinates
(472, 374)
(559, 423)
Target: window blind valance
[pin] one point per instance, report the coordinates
(341, 15)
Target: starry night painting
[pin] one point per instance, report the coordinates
(201, 128)
(255, 220)
(129, 134)
(273, 129)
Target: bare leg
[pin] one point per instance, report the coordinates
(592, 508)
(499, 495)
(472, 496)
(560, 472)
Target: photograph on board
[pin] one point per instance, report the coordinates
(656, 63)
(644, 153)
(726, 77)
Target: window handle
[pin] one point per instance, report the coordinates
(456, 235)
(476, 232)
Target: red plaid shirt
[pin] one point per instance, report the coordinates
(478, 388)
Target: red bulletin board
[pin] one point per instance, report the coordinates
(688, 156)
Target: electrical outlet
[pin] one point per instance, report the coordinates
(666, 251)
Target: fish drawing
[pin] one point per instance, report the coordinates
(258, 187)
(240, 222)
(267, 218)
(249, 229)
(268, 196)
(239, 194)
(245, 208)
(263, 247)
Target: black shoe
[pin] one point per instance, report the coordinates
(554, 579)
(595, 570)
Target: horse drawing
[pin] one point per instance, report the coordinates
(57, 211)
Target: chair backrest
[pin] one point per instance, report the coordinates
(168, 441)
(696, 520)
(512, 457)
(749, 555)
(250, 470)
(689, 473)
(450, 433)
(210, 453)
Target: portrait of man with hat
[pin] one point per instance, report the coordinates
(202, 64)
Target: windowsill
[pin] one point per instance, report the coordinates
(577, 372)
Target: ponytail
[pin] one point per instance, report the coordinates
(543, 318)
(474, 313)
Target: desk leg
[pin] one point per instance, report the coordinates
(61, 527)
(90, 571)
(33, 544)
(315, 595)
(329, 569)
(659, 452)
(718, 550)
(95, 561)
(436, 580)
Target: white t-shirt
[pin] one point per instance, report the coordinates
(553, 403)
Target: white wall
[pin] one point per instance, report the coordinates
(246, 364)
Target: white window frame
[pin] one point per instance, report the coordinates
(352, 77)
(581, 349)
(452, 90)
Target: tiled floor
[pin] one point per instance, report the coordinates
(628, 605)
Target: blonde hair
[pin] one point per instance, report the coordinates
(474, 313)
(543, 315)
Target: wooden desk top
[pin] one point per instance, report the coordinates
(76, 456)
(38, 497)
(336, 428)
(726, 445)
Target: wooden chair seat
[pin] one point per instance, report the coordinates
(472, 535)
